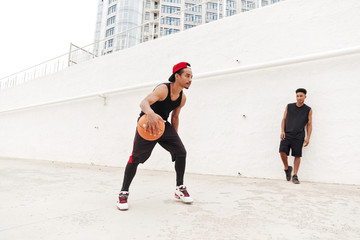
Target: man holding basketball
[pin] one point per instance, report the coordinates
(296, 117)
(165, 98)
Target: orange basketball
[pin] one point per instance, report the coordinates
(146, 135)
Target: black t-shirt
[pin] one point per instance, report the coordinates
(296, 120)
(163, 108)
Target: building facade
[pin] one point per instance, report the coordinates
(125, 23)
(114, 17)
(161, 20)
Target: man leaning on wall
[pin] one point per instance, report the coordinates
(296, 117)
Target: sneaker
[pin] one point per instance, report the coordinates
(182, 194)
(288, 173)
(295, 179)
(122, 202)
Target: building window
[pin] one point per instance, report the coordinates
(274, 1)
(110, 21)
(109, 32)
(111, 1)
(146, 28)
(168, 31)
(169, 9)
(171, 21)
(198, 18)
(213, 6)
(231, 4)
(230, 12)
(211, 16)
(110, 42)
(193, 18)
(112, 9)
(172, 1)
(189, 17)
(248, 4)
(189, 5)
(192, 9)
(147, 16)
(187, 26)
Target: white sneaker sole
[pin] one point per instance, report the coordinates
(184, 200)
(122, 207)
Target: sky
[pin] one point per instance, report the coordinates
(34, 31)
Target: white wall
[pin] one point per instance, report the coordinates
(218, 138)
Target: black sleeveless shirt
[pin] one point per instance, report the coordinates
(163, 108)
(296, 120)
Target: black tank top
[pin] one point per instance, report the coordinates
(163, 108)
(296, 120)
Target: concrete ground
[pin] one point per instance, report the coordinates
(44, 200)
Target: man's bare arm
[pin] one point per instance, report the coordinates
(308, 129)
(282, 135)
(176, 112)
(158, 94)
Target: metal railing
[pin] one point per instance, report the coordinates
(150, 30)
(201, 76)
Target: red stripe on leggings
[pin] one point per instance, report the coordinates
(130, 158)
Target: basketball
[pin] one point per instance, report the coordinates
(146, 135)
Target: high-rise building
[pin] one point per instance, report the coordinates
(158, 18)
(116, 16)
(192, 13)
(159, 14)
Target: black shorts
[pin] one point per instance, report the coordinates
(296, 146)
(170, 141)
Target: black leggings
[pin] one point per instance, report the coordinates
(131, 168)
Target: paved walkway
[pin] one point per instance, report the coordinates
(43, 200)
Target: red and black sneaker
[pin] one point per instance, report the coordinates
(182, 194)
(122, 202)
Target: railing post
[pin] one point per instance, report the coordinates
(69, 55)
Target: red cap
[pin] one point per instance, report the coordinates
(176, 68)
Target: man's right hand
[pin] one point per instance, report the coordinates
(282, 135)
(152, 120)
